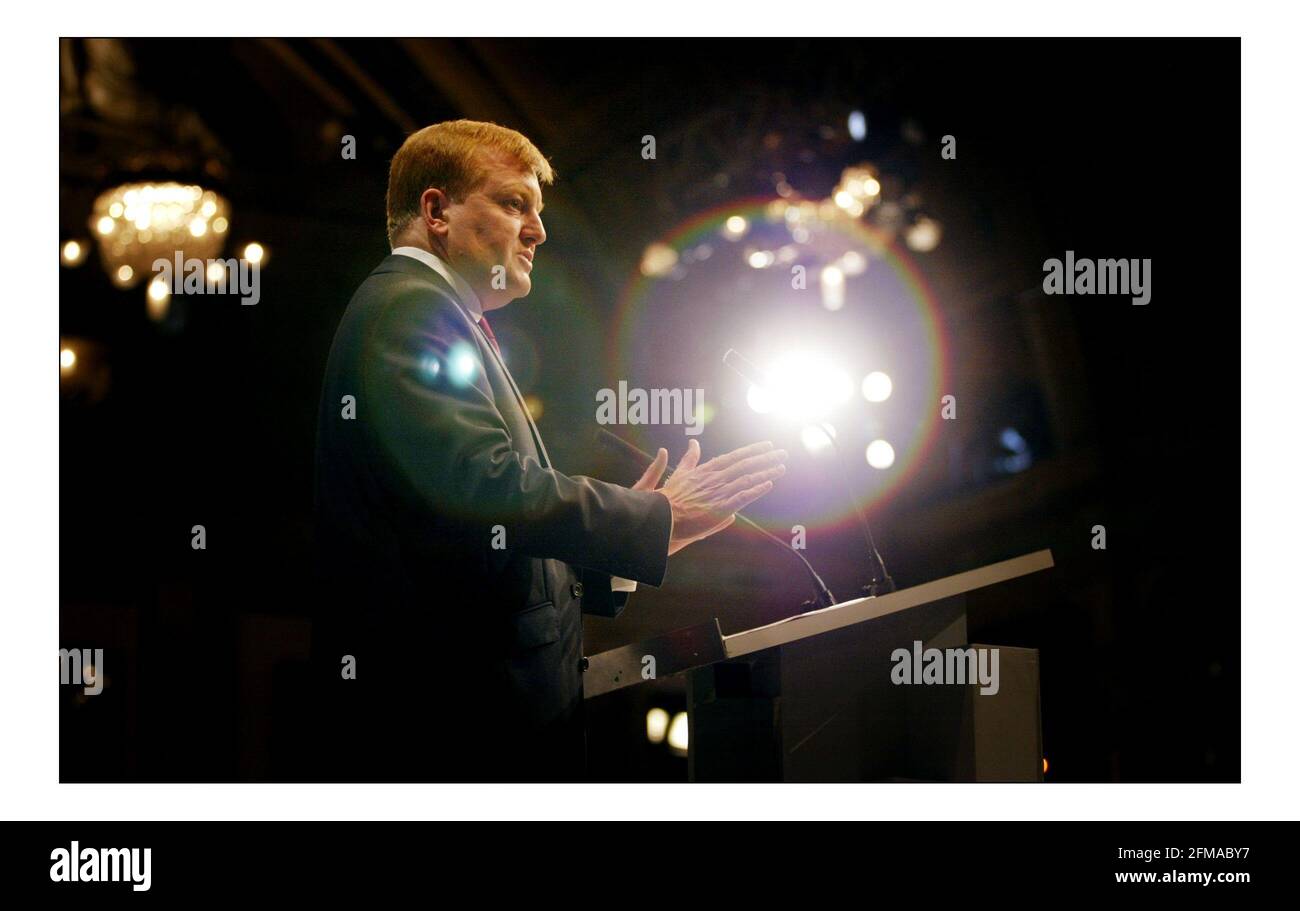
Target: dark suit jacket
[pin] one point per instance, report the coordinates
(467, 657)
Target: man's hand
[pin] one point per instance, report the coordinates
(705, 498)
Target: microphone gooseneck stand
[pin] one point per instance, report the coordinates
(881, 582)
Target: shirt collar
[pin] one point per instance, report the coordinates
(437, 264)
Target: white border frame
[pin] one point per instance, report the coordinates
(29, 523)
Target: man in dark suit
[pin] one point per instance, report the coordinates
(457, 561)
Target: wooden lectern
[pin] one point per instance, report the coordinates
(813, 697)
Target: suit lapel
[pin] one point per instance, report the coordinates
(537, 435)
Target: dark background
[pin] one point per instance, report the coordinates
(1108, 148)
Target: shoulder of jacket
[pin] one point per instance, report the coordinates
(391, 295)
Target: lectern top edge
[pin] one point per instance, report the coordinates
(704, 643)
(825, 619)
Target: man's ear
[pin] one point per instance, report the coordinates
(433, 210)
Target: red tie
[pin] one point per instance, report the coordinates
(487, 330)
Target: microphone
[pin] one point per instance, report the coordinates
(745, 367)
(617, 444)
(881, 582)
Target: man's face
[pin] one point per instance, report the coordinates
(493, 233)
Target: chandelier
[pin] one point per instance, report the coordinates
(139, 223)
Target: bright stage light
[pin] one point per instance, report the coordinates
(734, 228)
(679, 733)
(877, 386)
(832, 285)
(656, 725)
(157, 300)
(880, 454)
(658, 260)
(801, 387)
(852, 263)
(924, 235)
(67, 358)
(858, 126)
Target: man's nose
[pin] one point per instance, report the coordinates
(534, 232)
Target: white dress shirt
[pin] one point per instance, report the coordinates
(475, 309)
